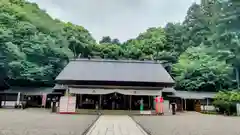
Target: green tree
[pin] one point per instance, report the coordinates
(226, 101)
(198, 70)
(203, 49)
(174, 38)
(116, 41)
(36, 46)
(105, 39)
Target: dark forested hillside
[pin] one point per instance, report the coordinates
(201, 53)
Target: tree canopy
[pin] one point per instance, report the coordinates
(199, 70)
(202, 53)
(36, 47)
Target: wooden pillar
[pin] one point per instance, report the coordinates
(182, 101)
(124, 102)
(207, 104)
(185, 101)
(100, 102)
(130, 102)
(80, 100)
(149, 103)
(5, 98)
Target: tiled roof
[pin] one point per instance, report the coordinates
(193, 95)
(115, 70)
(30, 90)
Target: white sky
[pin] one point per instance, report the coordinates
(122, 19)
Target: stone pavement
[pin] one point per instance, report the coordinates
(115, 125)
(190, 123)
(42, 122)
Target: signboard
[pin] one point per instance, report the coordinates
(71, 104)
(44, 99)
(238, 109)
(63, 104)
(67, 104)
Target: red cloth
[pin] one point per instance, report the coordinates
(159, 107)
(159, 99)
(159, 104)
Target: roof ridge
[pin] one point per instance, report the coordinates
(119, 61)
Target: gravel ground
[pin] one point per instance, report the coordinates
(40, 122)
(190, 124)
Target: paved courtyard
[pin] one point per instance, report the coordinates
(40, 122)
(190, 124)
(116, 125)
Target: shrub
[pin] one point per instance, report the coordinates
(226, 101)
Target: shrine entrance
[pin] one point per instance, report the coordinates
(113, 101)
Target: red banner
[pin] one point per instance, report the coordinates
(159, 104)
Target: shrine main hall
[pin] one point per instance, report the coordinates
(114, 84)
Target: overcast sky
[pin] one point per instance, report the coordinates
(122, 19)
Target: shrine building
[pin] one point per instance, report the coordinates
(114, 84)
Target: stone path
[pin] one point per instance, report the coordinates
(116, 125)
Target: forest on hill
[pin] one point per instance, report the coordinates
(202, 53)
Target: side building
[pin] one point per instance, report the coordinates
(3, 84)
(114, 84)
